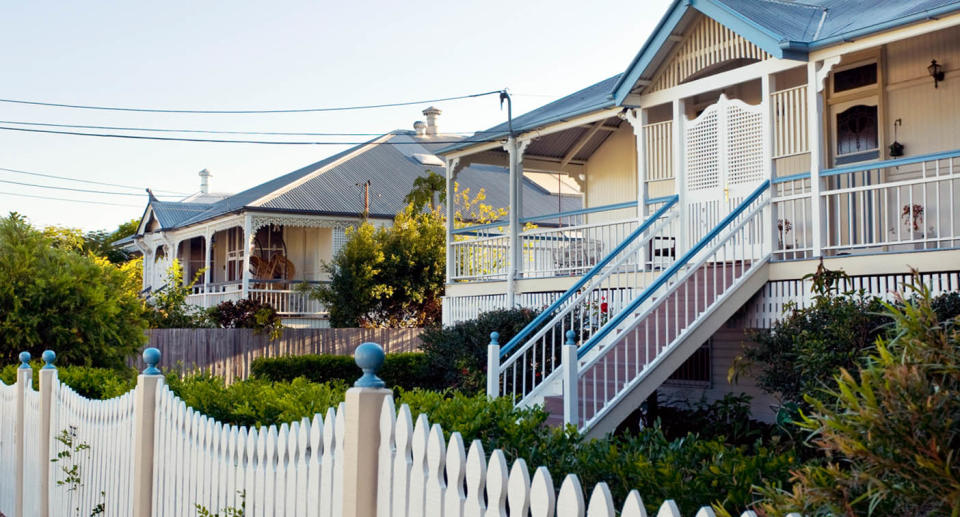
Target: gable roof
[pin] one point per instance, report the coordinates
(595, 97)
(785, 29)
(329, 186)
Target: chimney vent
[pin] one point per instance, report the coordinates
(420, 127)
(432, 113)
(204, 182)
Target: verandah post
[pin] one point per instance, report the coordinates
(361, 442)
(24, 380)
(48, 377)
(144, 416)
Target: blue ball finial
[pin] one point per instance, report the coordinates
(571, 337)
(494, 338)
(48, 357)
(151, 356)
(24, 360)
(369, 357)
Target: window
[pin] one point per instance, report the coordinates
(696, 369)
(857, 134)
(853, 78)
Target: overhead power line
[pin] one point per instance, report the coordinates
(247, 111)
(44, 175)
(73, 189)
(224, 141)
(16, 194)
(216, 131)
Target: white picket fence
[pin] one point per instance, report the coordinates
(151, 455)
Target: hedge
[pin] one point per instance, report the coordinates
(404, 370)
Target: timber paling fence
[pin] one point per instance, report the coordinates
(228, 353)
(150, 455)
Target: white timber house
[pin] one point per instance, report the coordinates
(748, 140)
(265, 242)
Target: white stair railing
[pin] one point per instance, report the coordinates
(532, 357)
(633, 343)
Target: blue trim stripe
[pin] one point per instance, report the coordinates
(548, 312)
(670, 272)
(792, 177)
(890, 163)
(591, 210)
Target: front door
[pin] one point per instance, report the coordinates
(724, 163)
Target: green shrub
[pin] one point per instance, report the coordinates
(247, 314)
(90, 382)
(893, 436)
(459, 352)
(727, 420)
(404, 370)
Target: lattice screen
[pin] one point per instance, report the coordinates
(702, 148)
(744, 134)
(339, 239)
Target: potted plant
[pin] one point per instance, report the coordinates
(911, 218)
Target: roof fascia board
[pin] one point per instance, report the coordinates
(923, 23)
(752, 32)
(467, 151)
(710, 83)
(660, 35)
(292, 185)
(142, 227)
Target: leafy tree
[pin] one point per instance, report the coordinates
(427, 190)
(892, 439)
(389, 276)
(50, 297)
(98, 242)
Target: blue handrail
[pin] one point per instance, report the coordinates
(672, 270)
(792, 177)
(655, 200)
(586, 278)
(582, 211)
(890, 163)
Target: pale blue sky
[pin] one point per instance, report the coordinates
(242, 54)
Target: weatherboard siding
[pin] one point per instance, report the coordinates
(612, 176)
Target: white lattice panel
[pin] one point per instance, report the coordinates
(702, 142)
(744, 137)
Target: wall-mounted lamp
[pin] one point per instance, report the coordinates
(936, 71)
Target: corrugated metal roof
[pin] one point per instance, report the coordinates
(391, 170)
(801, 21)
(592, 98)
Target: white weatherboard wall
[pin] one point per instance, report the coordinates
(295, 469)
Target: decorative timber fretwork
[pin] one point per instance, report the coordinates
(706, 44)
(306, 221)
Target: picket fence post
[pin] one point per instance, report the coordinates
(24, 380)
(144, 416)
(362, 434)
(48, 376)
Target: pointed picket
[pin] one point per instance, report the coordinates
(340, 423)
(518, 489)
(543, 497)
(385, 454)
(570, 502)
(705, 511)
(497, 477)
(314, 481)
(418, 470)
(476, 475)
(748, 513)
(669, 508)
(327, 466)
(402, 462)
(436, 485)
(601, 502)
(633, 506)
(455, 464)
(300, 490)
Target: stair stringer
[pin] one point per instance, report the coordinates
(692, 338)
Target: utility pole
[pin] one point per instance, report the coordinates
(366, 199)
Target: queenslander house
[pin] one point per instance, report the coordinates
(264, 242)
(747, 141)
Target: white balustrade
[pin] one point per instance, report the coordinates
(792, 218)
(898, 205)
(286, 298)
(480, 258)
(570, 251)
(658, 154)
(790, 122)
